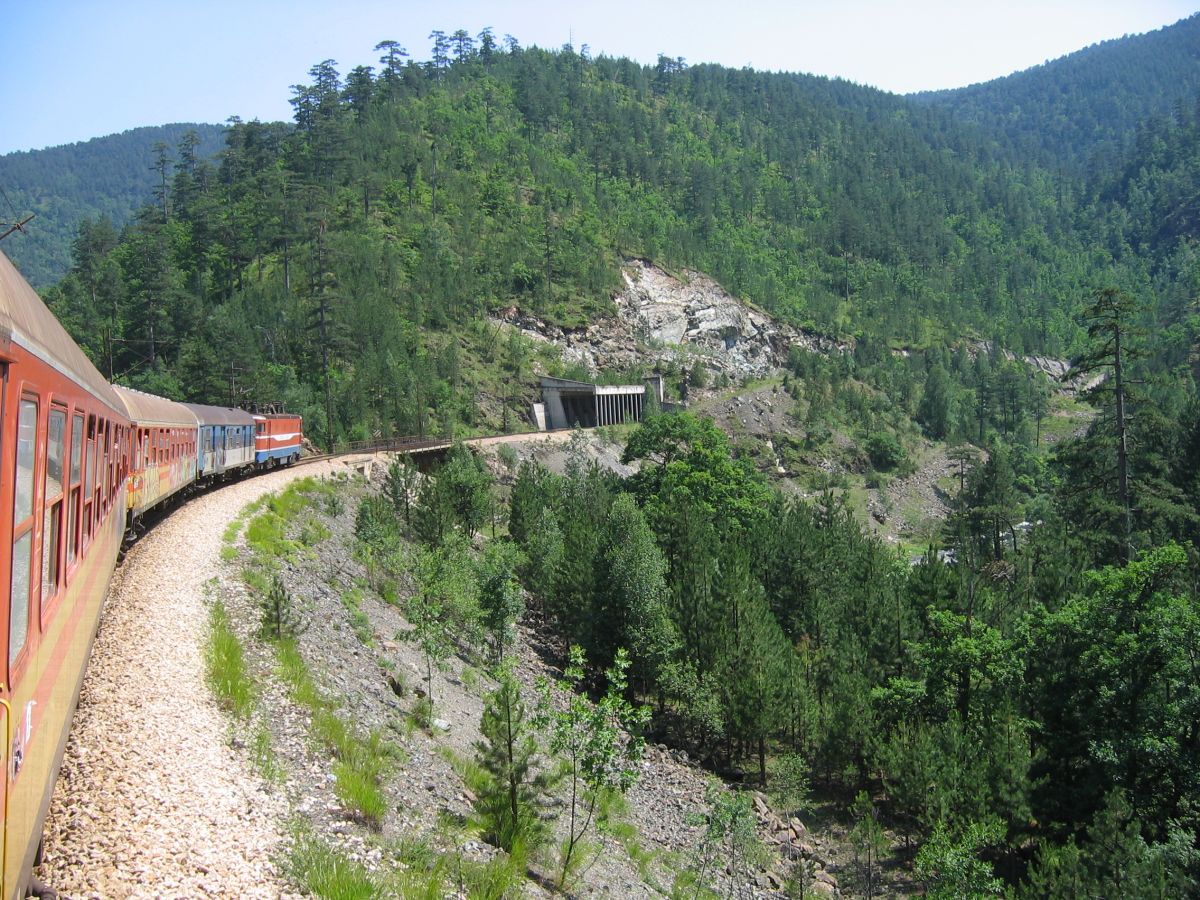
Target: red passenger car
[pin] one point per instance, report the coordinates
(64, 444)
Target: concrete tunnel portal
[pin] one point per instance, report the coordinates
(566, 403)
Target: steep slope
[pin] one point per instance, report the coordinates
(1088, 104)
(105, 177)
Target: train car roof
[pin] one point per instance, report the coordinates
(27, 322)
(147, 409)
(220, 415)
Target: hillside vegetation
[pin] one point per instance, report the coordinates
(355, 250)
(1084, 108)
(104, 178)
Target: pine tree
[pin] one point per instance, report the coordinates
(1110, 320)
(400, 484)
(511, 801)
(501, 600)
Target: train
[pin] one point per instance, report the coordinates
(82, 462)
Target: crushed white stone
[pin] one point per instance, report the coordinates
(152, 800)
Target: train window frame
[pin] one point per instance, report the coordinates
(99, 463)
(53, 569)
(23, 531)
(106, 486)
(75, 491)
(87, 517)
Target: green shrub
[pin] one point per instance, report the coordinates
(334, 505)
(421, 715)
(280, 618)
(312, 533)
(884, 451)
(375, 524)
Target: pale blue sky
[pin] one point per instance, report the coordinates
(76, 69)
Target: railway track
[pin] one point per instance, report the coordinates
(415, 444)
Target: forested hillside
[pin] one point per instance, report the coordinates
(107, 177)
(1084, 108)
(405, 204)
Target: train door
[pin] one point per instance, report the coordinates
(219, 441)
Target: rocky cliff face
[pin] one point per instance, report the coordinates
(689, 320)
(694, 312)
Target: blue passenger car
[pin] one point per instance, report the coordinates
(226, 439)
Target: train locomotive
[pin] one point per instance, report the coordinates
(81, 462)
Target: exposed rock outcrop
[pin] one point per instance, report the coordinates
(688, 320)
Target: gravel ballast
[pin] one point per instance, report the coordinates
(151, 800)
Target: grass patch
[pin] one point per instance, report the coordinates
(613, 822)
(270, 517)
(233, 529)
(326, 872)
(357, 788)
(225, 664)
(294, 671)
(359, 622)
(500, 877)
(359, 763)
(266, 763)
(266, 535)
(257, 578)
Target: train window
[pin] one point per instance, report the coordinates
(89, 472)
(56, 446)
(22, 556)
(72, 521)
(101, 468)
(110, 459)
(76, 448)
(101, 459)
(26, 441)
(108, 462)
(95, 476)
(89, 483)
(18, 622)
(76, 477)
